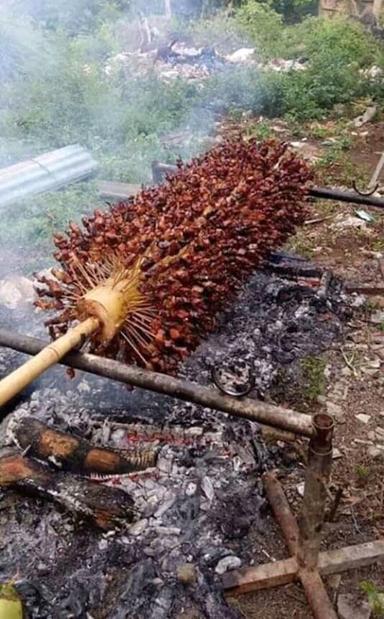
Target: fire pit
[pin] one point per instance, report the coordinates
(196, 508)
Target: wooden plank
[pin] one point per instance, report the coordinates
(283, 572)
(351, 557)
(117, 191)
(263, 576)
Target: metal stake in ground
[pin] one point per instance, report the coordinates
(315, 492)
(306, 564)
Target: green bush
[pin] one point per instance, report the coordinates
(336, 50)
(263, 25)
(245, 89)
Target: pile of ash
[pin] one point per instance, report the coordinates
(198, 509)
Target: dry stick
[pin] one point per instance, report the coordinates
(377, 172)
(105, 506)
(74, 453)
(246, 408)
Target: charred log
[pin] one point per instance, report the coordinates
(106, 507)
(75, 454)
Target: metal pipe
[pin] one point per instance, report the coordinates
(246, 408)
(315, 491)
(48, 172)
(345, 196)
(281, 510)
(313, 585)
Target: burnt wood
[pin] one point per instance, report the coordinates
(106, 507)
(73, 453)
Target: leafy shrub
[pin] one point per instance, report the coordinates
(245, 89)
(336, 50)
(263, 25)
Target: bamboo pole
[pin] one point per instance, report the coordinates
(12, 384)
(268, 414)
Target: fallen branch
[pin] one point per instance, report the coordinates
(104, 506)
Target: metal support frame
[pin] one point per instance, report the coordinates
(303, 538)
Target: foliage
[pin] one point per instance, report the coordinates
(314, 377)
(375, 597)
(74, 17)
(36, 219)
(262, 24)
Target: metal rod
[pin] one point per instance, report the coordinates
(345, 196)
(315, 491)
(246, 408)
(316, 594)
(315, 591)
(281, 510)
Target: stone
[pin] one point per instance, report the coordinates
(139, 527)
(227, 563)
(379, 433)
(335, 410)
(348, 606)
(336, 454)
(375, 452)
(186, 573)
(363, 418)
(300, 488)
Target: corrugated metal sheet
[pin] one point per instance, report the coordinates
(47, 172)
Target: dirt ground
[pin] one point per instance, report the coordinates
(354, 250)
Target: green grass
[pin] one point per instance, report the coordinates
(375, 597)
(313, 377)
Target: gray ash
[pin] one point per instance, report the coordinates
(198, 507)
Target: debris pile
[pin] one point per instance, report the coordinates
(177, 60)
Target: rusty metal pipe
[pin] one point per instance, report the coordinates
(325, 193)
(246, 408)
(315, 491)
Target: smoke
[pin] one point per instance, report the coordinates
(82, 71)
